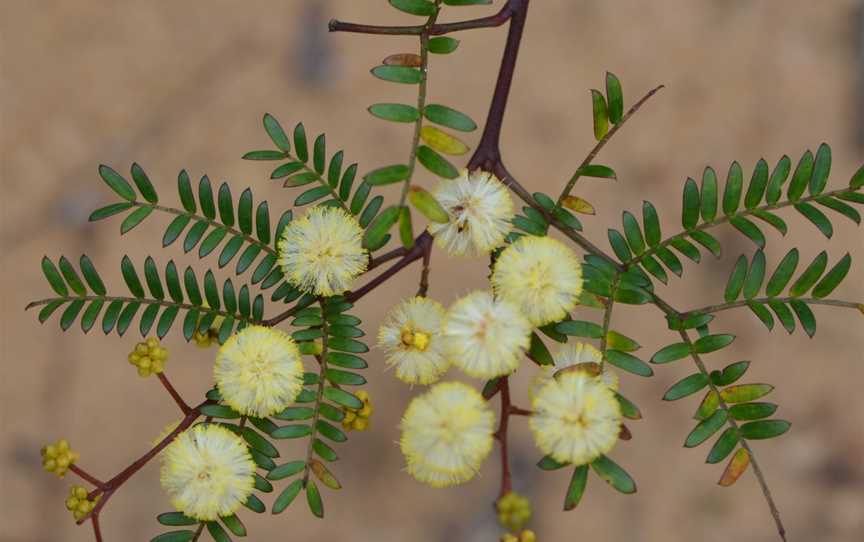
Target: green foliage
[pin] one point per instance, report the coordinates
(235, 308)
(747, 281)
(339, 334)
(705, 207)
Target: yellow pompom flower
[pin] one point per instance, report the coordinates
(542, 276)
(58, 457)
(357, 419)
(207, 472)
(577, 356)
(446, 434)
(411, 336)
(480, 210)
(322, 253)
(78, 503)
(149, 357)
(485, 337)
(258, 371)
(576, 418)
(514, 511)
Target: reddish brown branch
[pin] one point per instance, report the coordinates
(602, 143)
(84, 475)
(97, 531)
(501, 436)
(422, 245)
(435, 30)
(516, 411)
(173, 393)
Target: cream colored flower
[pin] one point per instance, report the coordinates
(447, 434)
(540, 275)
(576, 418)
(577, 355)
(480, 210)
(411, 336)
(207, 472)
(258, 371)
(485, 337)
(322, 253)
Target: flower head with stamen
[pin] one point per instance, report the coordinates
(540, 275)
(485, 337)
(576, 418)
(447, 434)
(322, 253)
(480, 210)
(258, 371)
(411, 336)
(207, 472)
(578, 356)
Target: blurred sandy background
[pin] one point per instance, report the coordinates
(177, 85)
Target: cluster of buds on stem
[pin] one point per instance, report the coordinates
(78, 503)
(58, 457)
(149, 357)
(358, 419)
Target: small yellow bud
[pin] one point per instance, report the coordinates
(358, 419)
(527, 536)
(509, 538)
(78, 503)
(514, 511)
(149, 357)
(58, 457)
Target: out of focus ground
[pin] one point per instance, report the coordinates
(184, 84)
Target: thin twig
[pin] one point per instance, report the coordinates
(436, 30)
(501, 436)
(319, 396)
(744, 302)
(424, 273)
(84, 475)
(602, 143)
(724, 218)
(421, 101)
(607, 319)
(173, 393)
(97, 531)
